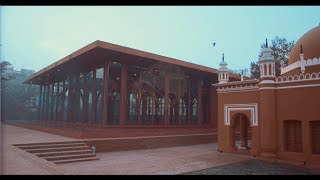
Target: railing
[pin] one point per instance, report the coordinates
(309, 62)
(300, 77)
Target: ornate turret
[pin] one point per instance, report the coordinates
(223, 75)
(303, 66)
(267, 64)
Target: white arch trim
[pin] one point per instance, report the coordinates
(253, 108)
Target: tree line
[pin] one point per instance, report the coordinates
(281, 48)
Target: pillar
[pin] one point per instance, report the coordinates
(93, 105)
(52, 104)
(43, 104)
(153, 100)
(166, 100)
(139, 99)
(123, 94)
(57, 103)
(199, 103)
(144, 108)
(47, 103)
(69, 102)
(84, 99)
(104, 93)
(76, 100)
(62, 101)
(39, 109)
(189, 102)
(177, 109)
(267, 101)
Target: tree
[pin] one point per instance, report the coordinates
(281, 48)
(7, 72)
(255, 70)
(15, 95)
(244, 71)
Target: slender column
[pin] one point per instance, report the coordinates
(39, 108)
(166, 100)
(52, 103)
(153, 99)
(189, 103)
(43, 104)
(69, 102)
(139, 99)
(243, 132)
(104, 94)
(123, 94)
(76, 100)
(84, 99)
(47, 103)
(273, 69)
(178, 105)
(144, 108)
(62, 103)
(57, 103)
(199, 103)
(93, 105)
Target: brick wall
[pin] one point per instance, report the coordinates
(123, 144)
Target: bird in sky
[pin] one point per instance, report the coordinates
(214, 44)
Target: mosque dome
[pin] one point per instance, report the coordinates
(310, 42)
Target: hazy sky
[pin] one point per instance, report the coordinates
(34, 37)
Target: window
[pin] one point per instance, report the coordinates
(315, 137)
(293, 136)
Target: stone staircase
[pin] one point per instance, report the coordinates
(60, 152)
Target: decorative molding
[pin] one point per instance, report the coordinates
(237, 86)
(300, 77)
(289, 87)
(306, 63)
(251, 81)
(238, 90)
(253, 108)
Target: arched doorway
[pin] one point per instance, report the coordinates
(240, 133)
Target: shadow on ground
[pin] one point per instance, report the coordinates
(255, 167)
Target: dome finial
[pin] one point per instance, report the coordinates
(266, 43)
(301, 50)
(223, 57)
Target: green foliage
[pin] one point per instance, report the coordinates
(281, 48)
(255, 70)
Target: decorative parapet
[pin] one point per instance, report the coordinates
(301, 77)
(238, 85)
(309, 62)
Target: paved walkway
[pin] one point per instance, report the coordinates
(257, 167)
(16, 161)
(171, 160)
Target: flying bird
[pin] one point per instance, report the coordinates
(214, 44)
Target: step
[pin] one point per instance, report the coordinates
(44, 143)
(60, 153)
(53, 158)
(57, 149)
(75, 160)
(25, 147)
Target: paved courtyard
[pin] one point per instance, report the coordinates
(256, 167)
(170, 160)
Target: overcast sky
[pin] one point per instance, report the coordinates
(35, 37)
